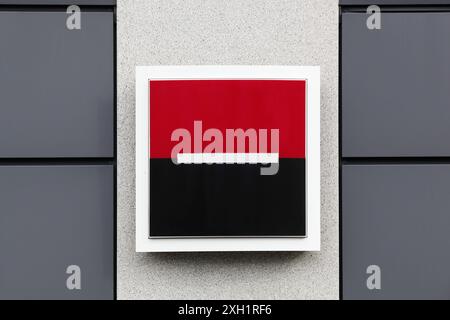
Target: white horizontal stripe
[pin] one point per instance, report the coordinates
(239, 158)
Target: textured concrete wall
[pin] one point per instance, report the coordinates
(272, 32)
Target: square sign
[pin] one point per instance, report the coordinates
(227, 158)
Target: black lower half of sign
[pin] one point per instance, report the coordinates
(227, 200)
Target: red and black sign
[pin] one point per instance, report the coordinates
(227, 158)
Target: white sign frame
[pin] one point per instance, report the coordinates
(311, 242)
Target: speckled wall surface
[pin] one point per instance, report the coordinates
(251, 32)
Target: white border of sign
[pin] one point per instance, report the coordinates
(309, 243)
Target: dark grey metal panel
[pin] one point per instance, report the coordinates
(56, 85)
(52, 217)
(393, 2)
(395, 85)
(59, 2)
(396, 217)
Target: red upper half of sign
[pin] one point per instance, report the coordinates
(228, 104)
